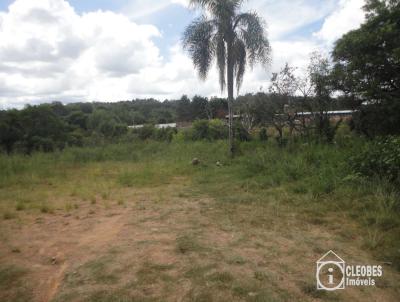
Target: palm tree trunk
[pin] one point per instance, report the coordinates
(230, 97)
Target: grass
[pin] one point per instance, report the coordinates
(10, 275)
(253, 194)
(187, 244)
(96, 271)
(12, 285)
(314, 178)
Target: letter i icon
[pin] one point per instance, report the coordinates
(330, 278)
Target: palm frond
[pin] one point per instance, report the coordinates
(251, 29)
(212, 4)
(220, 51)
(197, 41)
(239, 61)
(219, 9)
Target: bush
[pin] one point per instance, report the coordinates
(217, 129)
(241, 133)
(263, 135)
(380, 158)
(164, 134)
(200, 130)
(146, 132)
(207, 130)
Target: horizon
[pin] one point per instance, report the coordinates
(110, 51)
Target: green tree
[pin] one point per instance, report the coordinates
(10, 129)
(183, 109)
(78, 119)
(232, 38)
(42, 129)
(320, 73)
(199, 107)
(367, 68)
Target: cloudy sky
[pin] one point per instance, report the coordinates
(111, 50)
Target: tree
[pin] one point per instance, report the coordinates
(199, 107)
(217, 108)
(285, 85)
(232, 38)
(42, 129)
(78, 119)
(320, 73)
(183, 109)
(367, 68)
(247, 111)
(10, 129)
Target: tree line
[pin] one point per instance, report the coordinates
(48, 127)
(362, 74)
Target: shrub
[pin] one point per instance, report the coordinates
(146, 132)
(164, 134)
(380, 158)
(241, 133)
(200, 130)
(217, 129)
(208, 130)
(263, 135)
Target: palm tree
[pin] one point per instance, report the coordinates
(232, 38)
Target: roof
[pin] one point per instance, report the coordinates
(159, 126)
(171, 125)
(336, 112)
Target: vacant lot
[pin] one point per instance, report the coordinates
(140, 223)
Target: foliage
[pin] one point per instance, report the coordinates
(367, 68)
(231, 37)
(263, 134)
(49, 127)
(208, 130)
(150, 132)
(379, 158)
(241, 133)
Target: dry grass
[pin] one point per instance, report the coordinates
(100, 232)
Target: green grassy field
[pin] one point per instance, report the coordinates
(227, 232)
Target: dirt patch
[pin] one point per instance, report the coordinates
(162, 247)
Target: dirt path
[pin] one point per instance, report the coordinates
(177, 249)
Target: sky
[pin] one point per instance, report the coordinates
(112, 50)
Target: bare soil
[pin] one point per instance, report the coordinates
(165, 244)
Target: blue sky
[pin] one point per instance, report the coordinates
(110, 50)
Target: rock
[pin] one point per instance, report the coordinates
(195, 161)
(53, 260)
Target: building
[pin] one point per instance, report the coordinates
(158, 126)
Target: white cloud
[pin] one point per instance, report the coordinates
(349, 15)
(287, 17)
(50, 52)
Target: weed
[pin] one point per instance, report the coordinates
(45, 208)
(20, 206)
(9, 215)
(221, 277)
(10, 274)
(186, 244)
